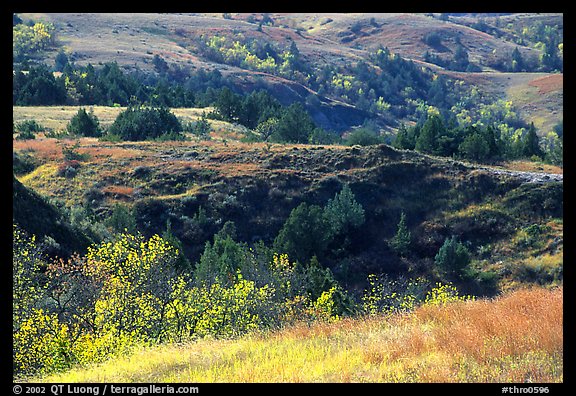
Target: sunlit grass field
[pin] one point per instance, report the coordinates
(517, 337)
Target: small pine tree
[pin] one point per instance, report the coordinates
(344, 212)
(531, 143)
(400, 243)
(453, 258)
(84, 124)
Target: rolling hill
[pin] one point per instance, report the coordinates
(261, 257)
(256, 185)
(328, 39)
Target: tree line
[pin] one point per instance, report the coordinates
(451, 133)
(478, 143)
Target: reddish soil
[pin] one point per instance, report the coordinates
(547, 84)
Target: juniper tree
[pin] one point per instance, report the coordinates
(400, 243)
(453, 258)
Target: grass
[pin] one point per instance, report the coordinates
(517, 337)
(58, 117)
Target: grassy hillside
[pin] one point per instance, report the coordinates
(515, 338)
(256, 185)
(332, 39)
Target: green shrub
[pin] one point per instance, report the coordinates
(453, 258)
(143, 123)
(26, 129)
(84, 124)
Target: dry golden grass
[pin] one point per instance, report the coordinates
(58, 117)
(514, 338)
(530, 166)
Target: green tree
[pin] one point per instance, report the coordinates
(554, 148)
(531, 143)
(141, 123)
(363, 137)
(474, 147)
(517, 61)
(220, 260)
(305, 233)
(181, 263)
(294, 126)
(84, 124)
(160, 64)
(343, 213)
(460, 61)
(401, 241)
(405, 139)
(229, 105)
(122, 219)
(427, 141)
(60, 61)
(453, 258)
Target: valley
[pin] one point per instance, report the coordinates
(285, 197)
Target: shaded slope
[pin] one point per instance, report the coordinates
(38, 217)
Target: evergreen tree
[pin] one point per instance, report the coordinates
(305, 233)
(295, 125)
(474, 147)
(402, 140)
(427, 141)
(228, 105)
(531, 143)
(517, 61)
(181, 262)
(460, 61)
(453, 258)
(85, 124)
(141, 123)
(400, 243)
(343, 212)
(122, 220)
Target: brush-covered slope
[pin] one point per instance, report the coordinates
(515, 338)
(197, 186)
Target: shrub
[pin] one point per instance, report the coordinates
(453, 258)
(27, 128)
(385, 295)
(142, 123)
(443, 294)
(84, 124)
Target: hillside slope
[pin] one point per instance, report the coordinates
(257, 185)
(515, 338)
(323, 40)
